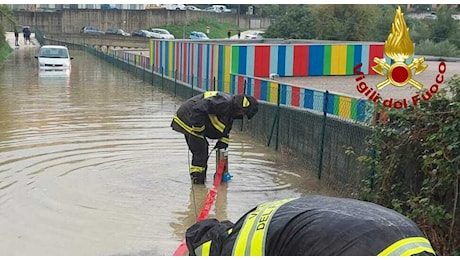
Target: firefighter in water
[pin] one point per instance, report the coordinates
(310, 226)
(210, 115)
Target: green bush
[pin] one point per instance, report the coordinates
(414, 159)
(444, 48)
(5, 48)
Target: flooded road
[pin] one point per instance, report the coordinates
(90, 166)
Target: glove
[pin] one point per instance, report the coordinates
(220, 145)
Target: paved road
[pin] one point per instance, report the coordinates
(10, 39)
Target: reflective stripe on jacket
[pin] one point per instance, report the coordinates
(325, 226)
(209, 114)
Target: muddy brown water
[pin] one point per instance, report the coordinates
(90, 166)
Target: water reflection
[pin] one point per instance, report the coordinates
(54, 78)
(198, 199)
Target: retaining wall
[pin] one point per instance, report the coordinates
(72, 20)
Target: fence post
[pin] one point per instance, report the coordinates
(214, 83)
(275, 123)
(136, 68)
(153, 69)
(321, 148)
(192, 86)
(244, 92)
(373, 154)
(278, 102)
(162, 77)
(143, 71)
(175, 83)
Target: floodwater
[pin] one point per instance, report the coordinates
(90, 166)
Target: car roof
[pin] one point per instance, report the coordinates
(53, 47)
(159, 29)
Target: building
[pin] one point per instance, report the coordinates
(53, 7)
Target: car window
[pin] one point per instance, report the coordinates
(53, 53)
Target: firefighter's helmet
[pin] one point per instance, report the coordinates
(247, 103)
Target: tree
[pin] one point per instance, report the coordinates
(383, 19)
(345, 22)
(273, 10)
(297, 23)
(445, 26)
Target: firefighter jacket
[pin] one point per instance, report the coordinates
(209, 114)
(312, 225)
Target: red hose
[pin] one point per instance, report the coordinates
(182, 248)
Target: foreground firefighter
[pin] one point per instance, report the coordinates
(210, 115)
(310, 226)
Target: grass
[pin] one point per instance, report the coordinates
(217, 29)
(5, 51)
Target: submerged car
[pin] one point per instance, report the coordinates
(54, 58)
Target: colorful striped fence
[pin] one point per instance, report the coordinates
(341, 105)
(230, 66)
(303, 60)
(199, 63)
(133, 58)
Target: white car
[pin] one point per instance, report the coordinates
(54, 58)
(254, 35)
(192, 8)
(174, 7)
(218, 9)
(142, 33)
(161, 33)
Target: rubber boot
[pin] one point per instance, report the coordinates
(198, 177)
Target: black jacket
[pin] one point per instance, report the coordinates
(312, 225)
(209, 114)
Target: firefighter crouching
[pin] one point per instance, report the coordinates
(210, 115)
(310, 226)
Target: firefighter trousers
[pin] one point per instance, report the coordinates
(199, 148)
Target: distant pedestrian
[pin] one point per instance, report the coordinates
(16, 37)
(26, 32)
(229, 33)
(239, 34)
